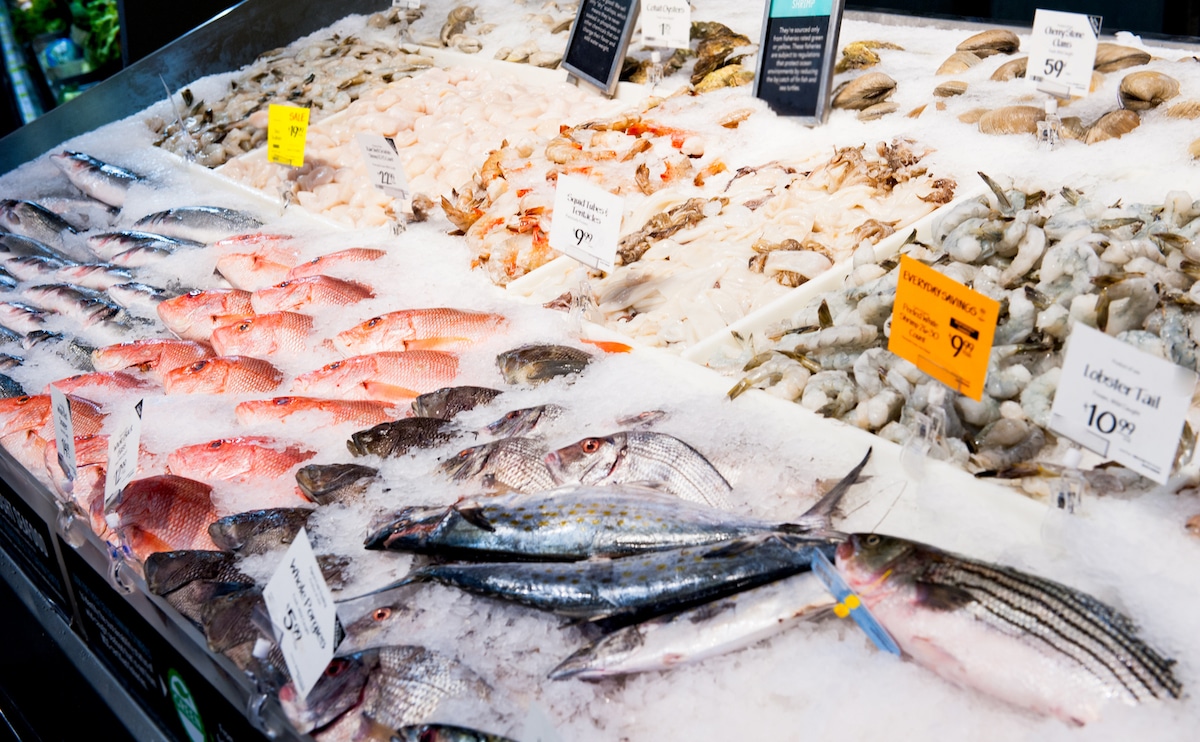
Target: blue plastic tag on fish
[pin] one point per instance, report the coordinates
(849, 604)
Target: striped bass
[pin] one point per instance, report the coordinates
(1026, 640)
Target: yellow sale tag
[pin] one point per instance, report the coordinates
(287, 127)
(943, 327)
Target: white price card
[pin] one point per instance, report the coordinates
(64, 432)
(1062, 52)
(383, 164)
(667, 23)
(587, 222)
(123, 453)
(303, 614)
(1126, 405)
(410, 4)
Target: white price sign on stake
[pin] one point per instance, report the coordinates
(123, 454)
(410, 4)
(1126, 405)
(667, 23)
(383, 164)
(1062, 52)
(64, 432)
(303, 614)
(587, 222)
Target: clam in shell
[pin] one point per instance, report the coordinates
(1072, 127)
(992, 41)
(858, 55)
(1188, 109)
(1145, 89)
(879, 110)
(1113, 57)
(950, 89)
(1011, 120)
(1194, 149)
(958, 62)
(1011, 69)
(864, 91)
(1112, 125)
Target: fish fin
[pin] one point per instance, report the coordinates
(547, 370)
(818, 516)
(381, 392)
(737, 546)
(942, 597)
(474, 515)
(436, 343)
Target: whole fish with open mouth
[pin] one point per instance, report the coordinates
(708, 630)
(98, 179)
(536, 364)
(587, 522)
(107, 245)
(398, 437)
(34, 221)
(369, 694)
(199, 223)
(326, 483)
(631, 588)
(508, 464)
(524, 421)
(644, 457)
(1029, 641)
(447, 402)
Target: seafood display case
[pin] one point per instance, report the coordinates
(744, 285)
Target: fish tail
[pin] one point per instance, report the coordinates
(819, 516)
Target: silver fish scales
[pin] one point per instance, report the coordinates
(509, 464)
(102, 181)
(633, 587)
(993, 627)
(646, 457)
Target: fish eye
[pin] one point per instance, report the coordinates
(590, 445)
(199, 365)
(372, 322)
(382, 614)
(23, 400)
(216, 444)
(333, 366)
(283, 285)
(282, 400)
(336, 667)
(513, 415)
(872, 540)
(243, 327)
(464, 453)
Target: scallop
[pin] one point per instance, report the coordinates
(1011, 69)
(1113, 57)
(992, 41)
(958, 62)
(1112, 125)
(864, 91)
(950, 89)
(1011, 120)
(1141, 91)
(1188, 109)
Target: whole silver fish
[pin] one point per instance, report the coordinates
(509, 464)
(100, 180)
(22, 317)
(108, 244)
(18, 245)
(1032, 642)
(535, 364)
(632, 587)
(645, 457)
(88, 306)
(142, 255)
(34, 221)
(200, 223)
(447, 402)
(524, 421)
(98, 276)
(379, 690)
(37, 267)
(139, 297)
(708, 630)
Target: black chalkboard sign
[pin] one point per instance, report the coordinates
(795, 64)
(599, 37)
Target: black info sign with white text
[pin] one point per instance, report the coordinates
(795, 61)
(599, 38)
